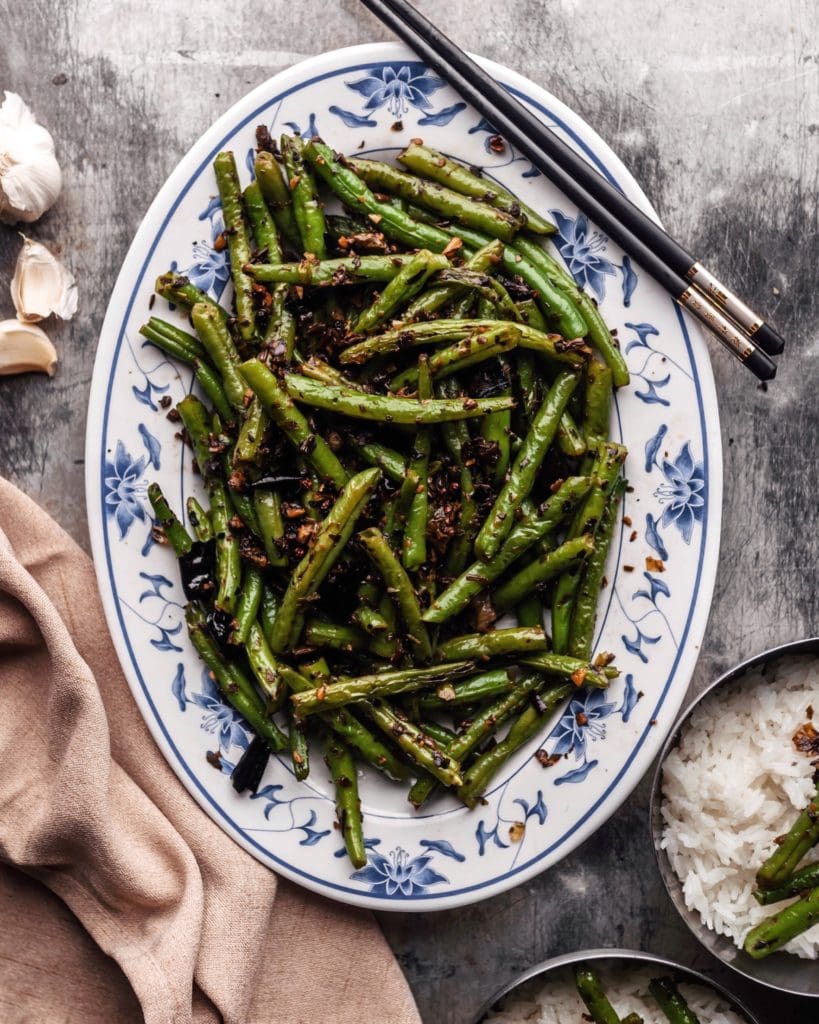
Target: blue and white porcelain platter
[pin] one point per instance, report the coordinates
(662, 566)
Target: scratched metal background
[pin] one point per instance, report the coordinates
(714, 105)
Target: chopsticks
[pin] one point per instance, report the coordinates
(695, 288)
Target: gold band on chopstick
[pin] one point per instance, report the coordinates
(727, 332)
(711, 286)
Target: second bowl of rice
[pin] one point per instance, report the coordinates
(547, 994)
(732, 778)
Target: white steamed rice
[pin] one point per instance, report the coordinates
(554, 1000)
(734, 784)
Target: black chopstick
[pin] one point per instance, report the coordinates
(678, 272)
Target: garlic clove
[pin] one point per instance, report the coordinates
(24, 348)
(30, 176)
(41, 285)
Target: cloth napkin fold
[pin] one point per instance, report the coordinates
(119, 898)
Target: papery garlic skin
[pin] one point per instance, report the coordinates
(25, 348)
(30, 177)
(41, 285)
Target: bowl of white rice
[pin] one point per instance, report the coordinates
(732, 778)
(547, 994)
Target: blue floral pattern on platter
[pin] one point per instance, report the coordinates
(399, 88)
(533, 814)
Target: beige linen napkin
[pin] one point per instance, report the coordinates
(160, 915)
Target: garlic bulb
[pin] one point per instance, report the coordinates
(41, 285)
(24, 347)
(30, 177)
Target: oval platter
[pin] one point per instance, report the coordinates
(373, 99)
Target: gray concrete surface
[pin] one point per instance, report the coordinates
(715, 106)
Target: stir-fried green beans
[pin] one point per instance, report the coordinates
(407, 438)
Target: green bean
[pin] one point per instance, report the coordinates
(557, 304)
(452, 205)
(262, 224)
(584, 613)
(240, 498)
(462, 308)
(181, 344)
(606, 468)
(546, 566)
(318, 369)
(494, 301)
(328, 542)
(247, 607)
(422, 749)
(277, 195)
(488, 719)
(347, 726)
(465, 354)
(497, 427)
(268, 611)
(431, 164)
(348, 806)
(481, 262)
(281, 325)
(279, 406)
(388, 408)
(392, 463)
(406, 284)
(332, 272)
(442, 736)
(399, 588)
(267, 505)
(318, 633)
(307, 208)
(569, 438)
(801, 837)
(227, 181)
(455, 436)
(168, 342)
(228, 561)
(421, 790)
(778, 930)
(179, 291)
(299, 747)
(526, 725)
(196, 421)
(474, 690)
(219, 345)
(265, 668)
(580, 672)
(354, 690)
(671, 1001)
(495, 644)
(597, 406)
(525, 468)
(199, 520)
(211, 384)
(798, 882)
(529, 611)
(173, 531)
(414, 547)
(251, 433)
(356, 195)
(434, 332)
(592, 994)
(526, 533)
(234, 686)
(595, 327)
(370, 620)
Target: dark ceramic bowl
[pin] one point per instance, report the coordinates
(605, 957)
(781, 971)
